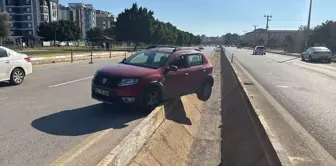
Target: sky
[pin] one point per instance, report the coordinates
(217, 17)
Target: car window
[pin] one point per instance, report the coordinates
(195, 60)
(3, 53)
(140, 58)
(260, 47)
(180, 62)
(148, 58)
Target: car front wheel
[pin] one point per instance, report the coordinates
(17, 76)
(205, 92)
(150, 100)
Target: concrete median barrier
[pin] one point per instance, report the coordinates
(163, 138)
(244, 140)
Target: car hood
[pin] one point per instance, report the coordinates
(124, 70)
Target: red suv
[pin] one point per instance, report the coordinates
(149, 77)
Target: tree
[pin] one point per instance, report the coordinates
(324, 35)
(67, 30)
(63, 30)
(135, 25)
(4, 25)
(94, 34)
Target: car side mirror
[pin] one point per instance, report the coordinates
(172, 68)
(123, 60)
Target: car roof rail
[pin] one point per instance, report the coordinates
(160, 46)
(185, 48)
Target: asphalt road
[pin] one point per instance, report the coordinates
(52, 111)
(306, 90)
(51, 117)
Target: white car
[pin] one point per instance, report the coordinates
(259, 50)
(317, 53)
(14, 66)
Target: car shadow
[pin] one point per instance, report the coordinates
(5, 84)
(316, 62)
(86, 120)
(175, 111)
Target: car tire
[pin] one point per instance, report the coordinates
(205, 92)
(310, 58)
(329, 61)
(17, 76)
(302, 58)
(150, 99)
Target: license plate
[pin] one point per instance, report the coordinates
(102, 92)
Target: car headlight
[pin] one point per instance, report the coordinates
(128, 82)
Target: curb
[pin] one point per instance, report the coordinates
(132, 144)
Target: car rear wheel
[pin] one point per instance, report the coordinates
(17, 76)
(302, 58)
(150, 100)
(205, 92)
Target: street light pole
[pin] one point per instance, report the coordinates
(308, 25)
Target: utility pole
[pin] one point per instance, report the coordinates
(308, 25)
(268, 19)
(254, 34)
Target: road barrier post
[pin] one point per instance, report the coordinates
(110, 53)
(91, 62)
(232, 58)
(71, 53)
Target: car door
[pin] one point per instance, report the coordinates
(196, 72)
(175, 82)
(5, 64)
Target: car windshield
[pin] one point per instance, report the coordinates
(149, 59)
(259, 48)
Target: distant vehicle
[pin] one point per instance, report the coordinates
(317, 53)
(149, 77)
(259, 50)
(239, 47)
(201, 47)
(14, 66)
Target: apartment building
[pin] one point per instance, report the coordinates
(84, 15)
(279, 35)
(26, 15)
(104, 20)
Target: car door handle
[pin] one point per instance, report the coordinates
(7, 62)
(186, 74)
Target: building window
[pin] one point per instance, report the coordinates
(9, 9)
(28, 17)
(12, 25)
(12, 33)
(29, 25)
(30, 32)
(27, 1)
(54, 13)
(9, 2)
(28, 9)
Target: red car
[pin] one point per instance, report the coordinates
(149, 77)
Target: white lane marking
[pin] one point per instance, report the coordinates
(3, 98)
(283, 86)
(69, 82)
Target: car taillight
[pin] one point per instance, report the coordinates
(27, 59)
